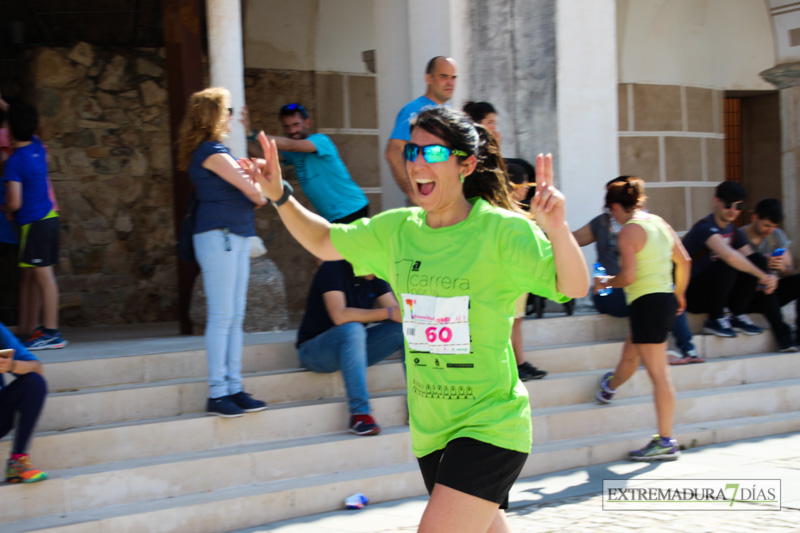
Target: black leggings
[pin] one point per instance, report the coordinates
(25, 395)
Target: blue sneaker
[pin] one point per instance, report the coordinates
(606, 393)
(45, 342)
(659, 449)
(247, 403)
(223, 406)
(743, 324)
(719, 326)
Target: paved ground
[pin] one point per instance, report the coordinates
(571, 500)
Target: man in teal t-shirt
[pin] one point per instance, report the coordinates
(457, 296)
(320, 170)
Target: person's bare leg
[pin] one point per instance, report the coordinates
(46, 281)
(452, 511)
(500, 523)
(29, 302)
(654, 357)
(516, 341)
(627, 365)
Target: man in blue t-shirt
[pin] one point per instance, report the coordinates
(440, 82)
(28, 198)
(725, 271)
(21, 400)
(334, 334)
(320, 171)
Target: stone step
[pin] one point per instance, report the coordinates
(101, 405)
(94, 406)
(264, 502)
(562, 400)
(235, 507)
(83, 488)
(122, 441)
(584, 420)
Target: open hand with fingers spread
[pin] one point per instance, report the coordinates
(548, 204)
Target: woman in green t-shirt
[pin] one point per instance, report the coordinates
(457, 265)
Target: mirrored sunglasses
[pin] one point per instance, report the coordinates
(433, 153)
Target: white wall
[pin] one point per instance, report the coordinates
(587, 105)
(710, 43)
(320, 35)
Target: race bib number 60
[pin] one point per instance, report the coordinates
(436, 325)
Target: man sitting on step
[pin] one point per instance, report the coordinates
(335, 333)
(725, 271)
(22, 399)
(768, 240)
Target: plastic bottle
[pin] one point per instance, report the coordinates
(599, 270)
(356, 501)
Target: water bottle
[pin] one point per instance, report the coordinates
(599, 270)
(356, 501)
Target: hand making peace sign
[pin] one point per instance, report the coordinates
(548, 204)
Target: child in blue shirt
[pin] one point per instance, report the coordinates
(25, 177)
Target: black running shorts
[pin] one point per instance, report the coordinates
(652, 316)
(39, 243)
(474, 467)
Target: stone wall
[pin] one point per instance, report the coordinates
(672, 137)
(103, 118)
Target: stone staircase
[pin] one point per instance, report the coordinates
(128, 447)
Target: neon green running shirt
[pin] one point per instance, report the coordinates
(457, 287)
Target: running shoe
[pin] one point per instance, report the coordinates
(786, 345)
(659, 449)
(364, 425)
(527, 372)
(21, 470)
(719, 326)
(674, 358)
(745, 325)
(684, 358)
(223, 406)
(247, 403)
(606, 393)
(23, 338)
(45, 342)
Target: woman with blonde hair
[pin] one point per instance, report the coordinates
(225, 220)
(648, 248)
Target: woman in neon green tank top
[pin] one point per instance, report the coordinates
(457, 265)
(648, 248)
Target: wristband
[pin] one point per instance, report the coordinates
(253, 135)
(389, 311)
(287, 192)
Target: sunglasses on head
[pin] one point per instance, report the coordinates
(433, 153)
(739, 206)
(290, 109)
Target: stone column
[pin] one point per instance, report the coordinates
(786, 78)
(226, 63)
